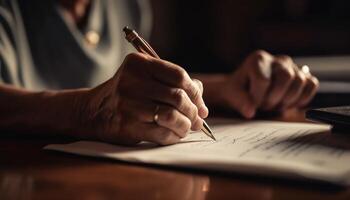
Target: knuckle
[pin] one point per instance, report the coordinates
(195, 94)
(198, 84)
(170, 116)
(179, 96)
(187, 125)
(184, 127)
(165, 138)
(259, 54)
(180, 75)
(135, 60)
(193, 113)
(286, 73)
(286, 58)
(133, 57)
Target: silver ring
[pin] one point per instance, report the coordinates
(305, 69)
(156, 116)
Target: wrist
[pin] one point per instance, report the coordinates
(47, 112)
(65, 110)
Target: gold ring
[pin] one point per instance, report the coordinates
(156, 116)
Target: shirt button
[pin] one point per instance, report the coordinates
(92, 38)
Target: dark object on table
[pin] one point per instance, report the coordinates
(338, 117)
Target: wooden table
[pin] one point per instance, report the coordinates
(28, 172)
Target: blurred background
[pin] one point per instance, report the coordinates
(215, 36)
(201, 33)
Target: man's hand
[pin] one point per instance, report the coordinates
(122, 109)
(263, 82)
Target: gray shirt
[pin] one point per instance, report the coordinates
(40, 48)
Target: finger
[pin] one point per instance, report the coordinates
(259, 84)
(166, 72)
(162, 71)
(283, 75)
(151, 132)
(172, 119)
(168, 117)
(262, 62)
(258, 65)
(203, 111)
(309, 91)
(174, 97)
(243, 103)
(199, 84)
(175, 76)
(179, 99)
(295, 90)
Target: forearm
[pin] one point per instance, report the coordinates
(52, 112)
(212, 84)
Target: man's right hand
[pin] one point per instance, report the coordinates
(122, 109)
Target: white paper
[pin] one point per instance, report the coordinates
(297, 150)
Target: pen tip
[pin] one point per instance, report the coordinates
(212, 137)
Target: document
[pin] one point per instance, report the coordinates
(294, 150)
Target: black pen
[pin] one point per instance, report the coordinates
(143, 47)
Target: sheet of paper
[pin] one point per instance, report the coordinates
(260, 147)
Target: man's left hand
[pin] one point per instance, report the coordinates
(268, 83)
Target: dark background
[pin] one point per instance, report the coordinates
(215, 35)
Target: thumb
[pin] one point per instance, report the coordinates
(242, 102)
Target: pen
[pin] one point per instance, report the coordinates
(143, 47)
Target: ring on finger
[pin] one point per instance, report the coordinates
(305, 69)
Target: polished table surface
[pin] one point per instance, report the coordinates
(28, 172)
